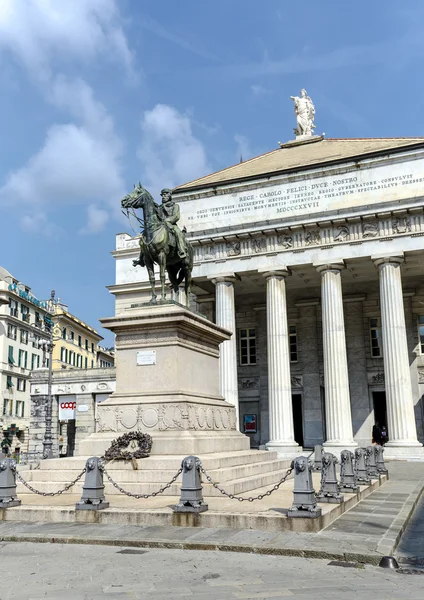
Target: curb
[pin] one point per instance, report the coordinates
(391, 539)
(371, 559)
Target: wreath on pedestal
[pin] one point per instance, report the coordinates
(119, 448)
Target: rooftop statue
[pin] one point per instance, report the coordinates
(305, 112)
(161, 240)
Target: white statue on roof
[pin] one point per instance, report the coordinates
(305, 112)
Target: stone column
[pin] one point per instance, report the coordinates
(400, 406)
(337, 398)
(279, 380)
(226, 317)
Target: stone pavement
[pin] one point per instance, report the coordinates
(411, 546)
(365, 533)
(66, 572)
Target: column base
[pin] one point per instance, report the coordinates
(285, 450)
(336, 447)
(403, 444)
(396, 451)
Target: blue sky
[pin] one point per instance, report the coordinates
(98, 94)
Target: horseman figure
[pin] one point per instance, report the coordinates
(169, 212)
(161, 240)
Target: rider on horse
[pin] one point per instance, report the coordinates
(169, 212)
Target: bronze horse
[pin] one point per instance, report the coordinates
(158, 245)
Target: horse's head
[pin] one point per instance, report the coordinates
(137, 198)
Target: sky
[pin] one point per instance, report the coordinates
(99, 94)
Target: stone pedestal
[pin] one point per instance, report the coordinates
(167, 384)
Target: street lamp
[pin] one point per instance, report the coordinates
(51, 333)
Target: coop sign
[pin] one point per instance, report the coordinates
(67, 410)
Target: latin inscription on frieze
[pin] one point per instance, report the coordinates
(310, 195)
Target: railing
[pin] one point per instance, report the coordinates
(369, 460)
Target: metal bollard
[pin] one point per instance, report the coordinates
(347, 473)
(8, 496)
(361, 470)
(372, 465)
(381, 467)
(191, 500)
(318, 457)
(304, 502)
(330, 489)
(93, 490)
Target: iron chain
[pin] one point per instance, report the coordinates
(138, 496)
(65, 489)
(239, 498)
(250, 498)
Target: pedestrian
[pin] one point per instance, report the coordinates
(376, 434)
(384, 436)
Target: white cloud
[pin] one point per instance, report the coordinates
(41, 32)
(96, 220)
(38, 223)
(78, 163)
(80, 159)
(170, 153)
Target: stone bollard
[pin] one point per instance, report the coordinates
(347, 473)
(361, 470)
(330, 489)
(372, 465)
(191, 500)
(93, 490)
(381, 467)
(8, 496)
(304, 502)
(318, 457)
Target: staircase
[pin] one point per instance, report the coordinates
(237, 472)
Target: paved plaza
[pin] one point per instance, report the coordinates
(66, 572)
(368, 531)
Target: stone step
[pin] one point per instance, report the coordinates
(158, 476)
(210, 461)
(247, 484)
(248, 470)
(236, 486)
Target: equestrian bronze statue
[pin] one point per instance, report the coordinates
(161, 240)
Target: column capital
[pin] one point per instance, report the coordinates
(380, 260)
(280, 273)
(333, 266)
(224, 278)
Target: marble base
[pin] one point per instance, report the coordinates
(170, 443)
(284, 451)
(412, 452)
(167, 385)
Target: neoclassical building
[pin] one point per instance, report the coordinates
(312, 256)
